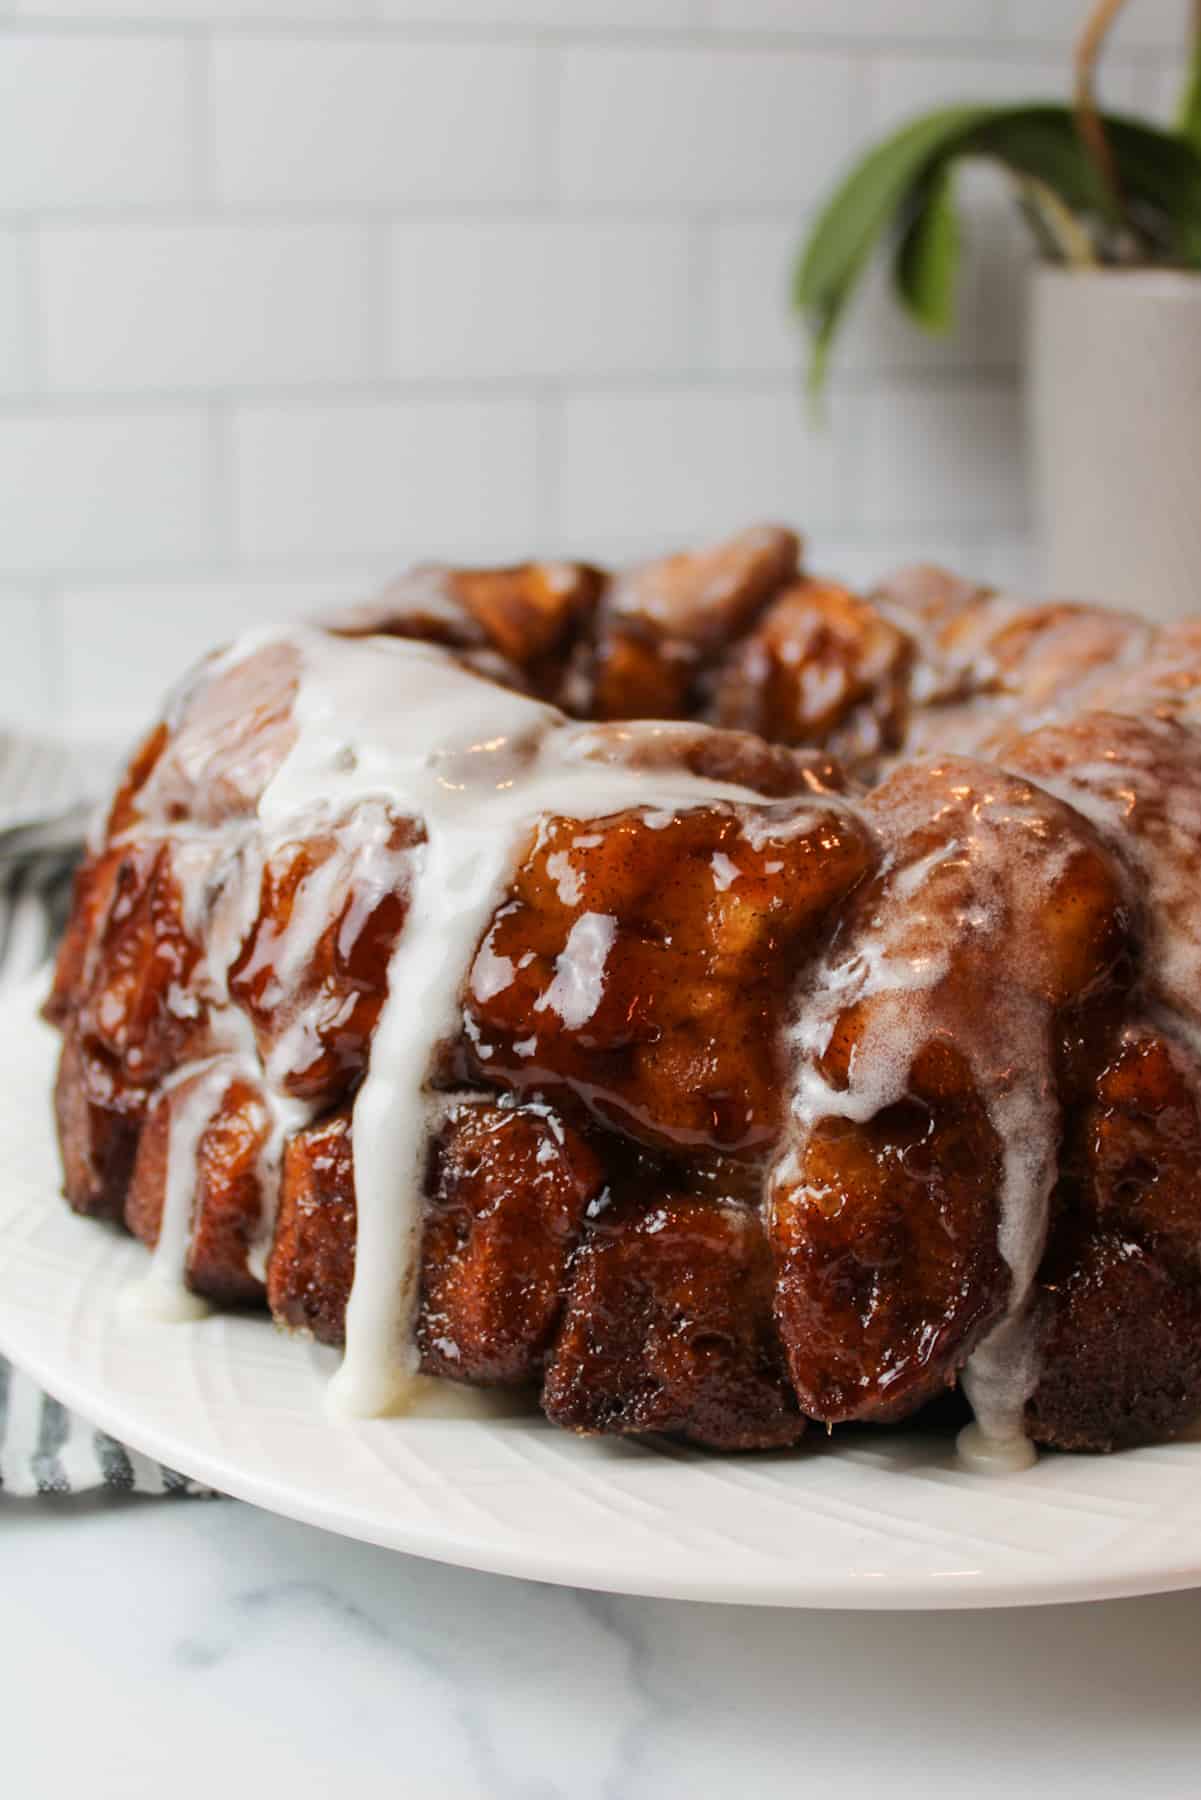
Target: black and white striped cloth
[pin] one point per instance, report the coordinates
(44, 1448)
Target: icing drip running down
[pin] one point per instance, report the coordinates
(477, 765)
(715, 1085)
(193, 1095)
(912, 972)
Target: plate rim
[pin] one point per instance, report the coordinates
(970, 1591)
(544, 1560)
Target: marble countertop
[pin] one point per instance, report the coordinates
(186, 1649)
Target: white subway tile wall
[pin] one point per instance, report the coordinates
(108, 125)
(700, 131)
(293, 291)
(702, 456)
(16, 329)
(375, 477)
(148, 307)
(952, 452)
(527, 297)
(28, 678)
(356, 123)
(103, 490)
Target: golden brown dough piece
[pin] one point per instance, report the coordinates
(1120, 1295)
(510, 1189)
(1121, 1359)
(662, 624)
(1139, 781)
(228, 733)
(121, 996)
(227, 1213)
(345, 891)
(923, 598)
(885, 1215)
(95, 884)
(888, 1271)
(761, 1105)
(643, 967)
(668, 1328)
(99, 1118)
(138, 1003)
(776, 771)
(820, 667)
(311, 1268)
(527, 615)
(1162, 681)
(1003, 660)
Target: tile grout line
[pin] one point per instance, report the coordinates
(271, 570)
(371, 26)
(486, 391)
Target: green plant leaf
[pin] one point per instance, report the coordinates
(860, 211)
(1188, 118)
(900, 189)
(926, 267)
(1042, 141)
(1161, 174)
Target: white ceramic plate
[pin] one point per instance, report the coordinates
(883, 1520)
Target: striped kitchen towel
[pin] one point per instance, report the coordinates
(44, 1449)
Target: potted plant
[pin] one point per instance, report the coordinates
(1114, 322)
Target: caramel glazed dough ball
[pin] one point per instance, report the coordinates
(704, 996)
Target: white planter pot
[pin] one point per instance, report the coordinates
(1113, 395)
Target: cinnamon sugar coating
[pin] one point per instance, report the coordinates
(763, 1108)
(228, 1205)
(668, 1328)
(315, 1013)
(1119, 1297)
(644, 967)
(663, 625)
(821, 666)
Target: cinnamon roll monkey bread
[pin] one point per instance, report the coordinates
(710, 998)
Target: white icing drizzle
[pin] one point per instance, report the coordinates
(192, 1096)
(287, 1116)
(231, 870)
(386, 729)
(579, 980)
(985, 1454)
(1142, 791)
(478, 765)
(965, 898)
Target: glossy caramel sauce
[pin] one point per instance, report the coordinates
(718, 1082)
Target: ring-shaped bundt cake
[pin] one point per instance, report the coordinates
(703, 995)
